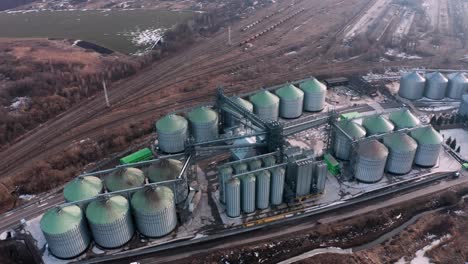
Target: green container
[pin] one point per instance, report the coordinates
(140, 155)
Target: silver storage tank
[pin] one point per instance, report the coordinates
(263, 189)
(172, 132)
(305, 172)
(167, 170)
(463, 110)
(248, 193)
(82, 188)
(429, 145)
(370, 162)
(342, 145)
(203, 124)
(224, 174)
(402, 149)
(277, 186)
(376, 125)
(240, 168)
(321, 173)
(266, 105)
(124, 178)
(291, 101)
(269, 161)
(110, 221)
(404, 119)
(255, 164)
(154, 211)
(412, 86)
(233, 197)
(457, 85)
(314, 95)
(65, 231)
(232, 119)
(436, 86)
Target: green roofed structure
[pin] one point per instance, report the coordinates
(82, 188)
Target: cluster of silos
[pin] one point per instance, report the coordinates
(82, 188)
(291, 101)
(402, 150)
(463, 110)
(371, 157)
(404, 119)
(314, 95)
(376, 125)
(307, 177)
(266, 105)
(124, 178)
(172, 133)
(203, 124)
(232, 118)
(168, 170)
(345, 132)
(108, 221)
(429, 146)
(434, 86)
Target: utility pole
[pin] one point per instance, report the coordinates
(229, 36)
(105, 93)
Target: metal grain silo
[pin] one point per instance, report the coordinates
(376, 125)
(463, 109)
(231, 119)
(255, 164)
(305, 172)
(167, 170)
(266, 105)
(172, 133)
(370, 161)
(203, 124)
(65, 231)
(321, 172)
(110, 221)
(233, 197)
(269, 161)
(291, 101)
(457, 85)
(82, 188)
(263, 189)
(314, 95)
(412, 86)
(124, 178)
(429, 145)
(342, 145)
(404, 119)
(402, 149)
(277, 186)
(224, 174)
(240, 168)
(154, 211)
(436, 86)
(248, 193)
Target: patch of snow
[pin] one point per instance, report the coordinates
(437, 108)
(33, 227)
(3, 235)
(459, 212)
(290, 53)
(402, 55)
(20, 103)
(96, 250)
(147, 38)
(420, 254)
(27, 197)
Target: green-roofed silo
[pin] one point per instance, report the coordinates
(172, 133)
(255, 164)
(124, 178)
(269, 161)
(110, 221)
(65, 231)
(342, 144)
(429, 145)
(266, 105)
(404, 119)
(314, 95)
(154, 211)
(168, 170)
(232, 118)
(203, 124)
(376, 125)
(291, 101)
(402, 149)
(240, 168)
(82, 188)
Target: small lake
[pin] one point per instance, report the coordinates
(119, 30)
